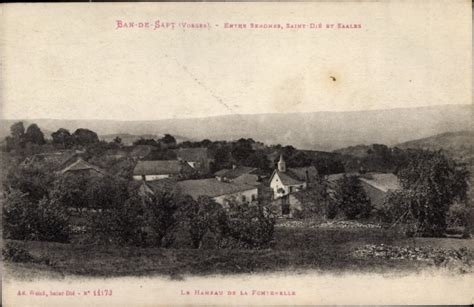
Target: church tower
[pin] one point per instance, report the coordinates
(281, 165)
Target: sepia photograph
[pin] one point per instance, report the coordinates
(310, 153)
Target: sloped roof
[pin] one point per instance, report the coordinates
(57, 159)
(192, 154)
(234, 172)
(300, 172)
(159, 167)
(81, 165)
(166, 184)
(286, 179)
(210, 187)
(383, 182)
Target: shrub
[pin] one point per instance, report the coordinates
(161, 217)
(202, 217)
(351, 199)
(45, 220)
(120, 225)
(247, 226)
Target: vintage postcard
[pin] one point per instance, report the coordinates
(241, 153)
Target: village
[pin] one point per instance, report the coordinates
(231, 196)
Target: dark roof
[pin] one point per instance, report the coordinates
(300, 172)
(162, 167)
(286, 178)
(57, 159)
(234, 172)
(81, 165)
(162, 185)
(192, 154)
(210, 187)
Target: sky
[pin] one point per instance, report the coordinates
(70, 61)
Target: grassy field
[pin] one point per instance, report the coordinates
(295, 249)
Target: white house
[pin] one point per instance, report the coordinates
(286, 181)
(220, 191)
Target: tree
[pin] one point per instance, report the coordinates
(62, 136)
(123, 224)
(161, 215)
(34, 179)
(17, 130)
(430, 184)
(351, 199)
(84, 137)
(168, 139)
(246, 226)
(202, 216)
(34, 135)
(118, 140)
(44, 220)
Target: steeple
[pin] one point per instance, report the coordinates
(281, 165)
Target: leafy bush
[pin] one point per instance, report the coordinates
(430, 183)
(203, 216)
(121, 225)
(246, 226)
(351, 199)
(45, 220)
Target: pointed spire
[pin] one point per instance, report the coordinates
(282, 164)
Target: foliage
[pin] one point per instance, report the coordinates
(150, 142)
(34, 135)
(168, 139)
(458, 215)
(45, 220)
(161, 216)
(84, 192)
(84, 137)
(431, 183)
(351, 199)
(202, 216)
(17, 130)
(34, 180)
(315, 201)
(247, 226)
(121, 224)
(62, 137)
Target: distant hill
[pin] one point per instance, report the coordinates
(457, 145)
(325, 131)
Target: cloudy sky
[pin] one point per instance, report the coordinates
(71, 61)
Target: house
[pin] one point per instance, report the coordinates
(81, 167)
(198, 158)
(160, 169)
(284, 181)
(220, 191)
(56, 160)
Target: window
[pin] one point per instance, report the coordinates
(244, 199)
(254, 197)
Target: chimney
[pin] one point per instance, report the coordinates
(281, 165)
